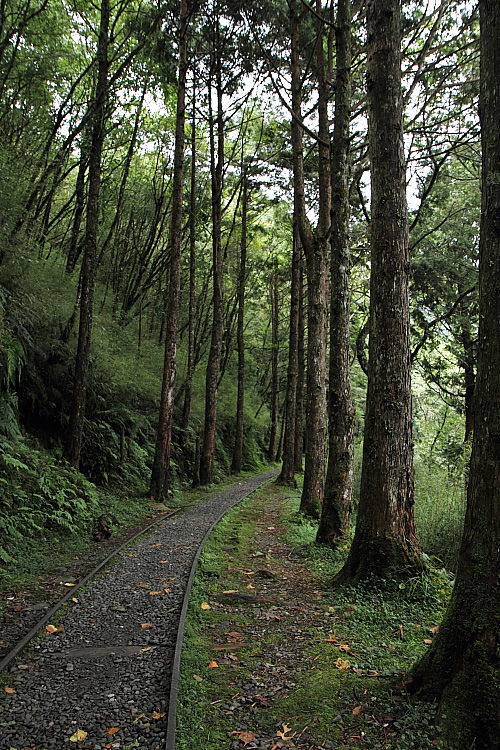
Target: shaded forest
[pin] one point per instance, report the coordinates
(237, 235)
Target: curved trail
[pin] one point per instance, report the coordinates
(103, 681)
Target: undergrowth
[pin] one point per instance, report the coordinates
(355, 648)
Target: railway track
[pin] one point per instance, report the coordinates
(106, 674)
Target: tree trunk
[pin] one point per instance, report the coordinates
(337, 502)
(217, 162)
(161, 463)
(301, 372)
(385, 539)
(287, 474)
(462, 667)
(240, 400)
(188, 389)
(89, 263)
(316, 249)
(273, 435)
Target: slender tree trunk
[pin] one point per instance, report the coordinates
(161, 463)
(462, 666)
(89, 263)
(287, 475)
(385, 539)
(316, 249)
(337, 502)
(301, 376)
(240, 401)
(188, 390)
(217, 162)
(271, 452)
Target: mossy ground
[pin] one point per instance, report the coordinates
(302, 664)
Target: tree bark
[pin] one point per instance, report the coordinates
(188, 389)
(237, 459)
(273, 435)
(337, 502)
(161, 463)
(89, 262)
(462, 667)
(217, 162)
(385, 541)
(287, 474)
(301, 372)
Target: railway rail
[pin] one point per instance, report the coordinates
(106, 674)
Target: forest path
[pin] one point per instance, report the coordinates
(101, 680)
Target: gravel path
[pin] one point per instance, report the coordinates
(103, 681)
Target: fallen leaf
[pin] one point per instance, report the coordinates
(147, 625)
(197, 678)
(17, 608)
(163, 562)
(143, 585)
(213, 664)
(344, 647)
(342, 664)
(250, 586)
(205, 605)
(78, 736)
(141, 716)
(434, 630)
(70, 584)
(401, 631)
(230, 591)
(143, 650)
(357, 710)
(160, 544)
(74, 599)
(157, 715)
(51, 629)
(283, 734)
(154, 593)
(245, 737)
(112, 730)
(427, 641)
(9, 690)
(167, 591)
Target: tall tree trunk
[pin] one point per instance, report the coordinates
(287, 474)
(273, 435)
(161, 463)
(337, 502)
(217, 162)
(316, 249)
(240, 400)
(89, 263)
(385, 539)
(462, 667)
(188, 390)
(301, 374)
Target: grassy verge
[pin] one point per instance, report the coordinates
(302, 665)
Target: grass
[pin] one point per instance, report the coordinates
(355, 645)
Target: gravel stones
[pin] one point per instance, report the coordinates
(108, 672)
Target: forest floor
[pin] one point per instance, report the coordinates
(274, 658)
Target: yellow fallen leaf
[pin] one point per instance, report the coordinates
(250, 586)
(286, 729)
(167, 591)
(143, 650)
(157, 715)
(197, 678)
(163, 562)
(230, 591)
(342, 664)
(154, 593)
(147, 625)
(427, 641)
(141, 716)
(112, 730)
(78, 736)
(70, 584)
(344, 647)
(9, 690)
(205, 605)
(74, 599)
(213, 664)
(51, 629)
